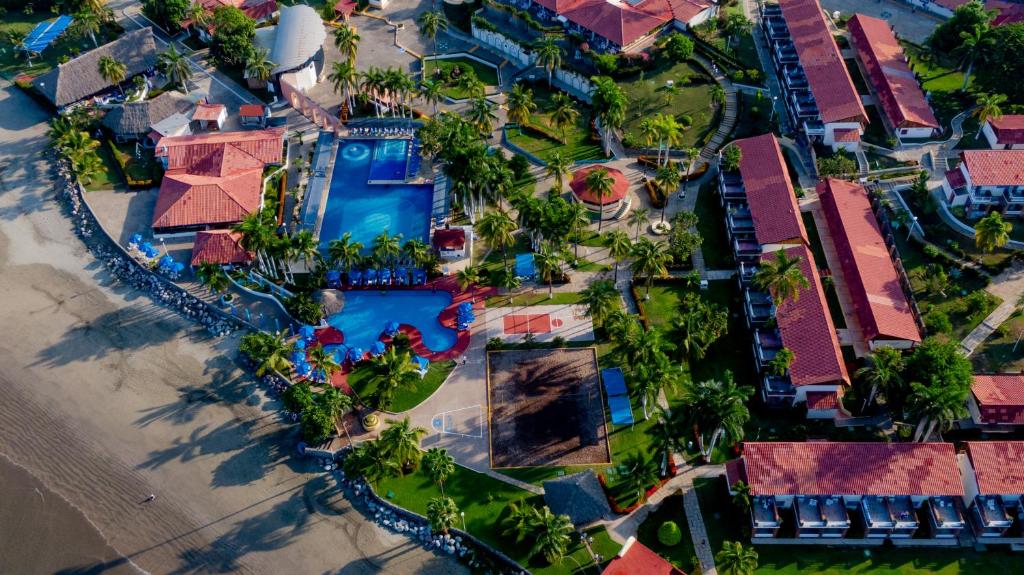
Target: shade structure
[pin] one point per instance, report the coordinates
(402, 276)
(300, 344)
(422, 362)
(371, 277)
(378, 348)
(465, 306)
(355, 277)
(385, 276)
(136, 239)
(391, 328)
(620, 186)
(298, 357)
(45, 33)
(618, 396)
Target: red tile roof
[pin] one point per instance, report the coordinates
(994, 167)
(868, 269)
(952, 4)
(252, 111)
(681, 10)
(826, 72)
(770, 195)
(822, 400)
(998, 466)
(579, 185)
(636, 559)
(1009, 12)
(255, 9)
(207, 112)
(837, 468)
(182, 151)
(956, 178)
(450, 239)
(807, 330)
(1000, 397)
(618, 22)
(560, 6)
(1009, 129)
(219, 247)
(898, 92)
(847, 135)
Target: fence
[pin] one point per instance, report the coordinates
(506, 46)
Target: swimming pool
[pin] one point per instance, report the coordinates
(389, 160)
(366, 210)
(366, 312)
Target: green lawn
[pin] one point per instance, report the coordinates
(13, 63)
(671, 509)
(486, 74)
(754, 116)
(538, 296)
(936, 231)
(648, 96)
(109, 177)
(711, 225)
(937, 75)
(363, 383)
(1002, 351)
(483, 499)
(579, 142)
(742, 49)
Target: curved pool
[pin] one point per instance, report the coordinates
(366, 312)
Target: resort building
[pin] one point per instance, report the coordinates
(614, 26)
(763, 218)
(296, 46)
(634, 558)
(820, 98)
(258, 10)
(820, 490)
(881, 294)
(994, 488)
(610, 206)
(146, 122)
(213, 180)
(1005, 132)
(254, 115)
(79, 79)
(209, 117)
(450, 243)
(905, 111)
(996, 402)
(985, 181)
(221, 247)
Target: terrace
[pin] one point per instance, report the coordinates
(821, 517)
(759, 307)
(739, 219)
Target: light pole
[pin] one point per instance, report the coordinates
(462, 514)
(775, 101)
(913, 222)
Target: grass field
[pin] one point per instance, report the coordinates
(363, 383)
(671, 509)
(486, 74)
(578, 143)
(109, 177)
(711, 225)
(538, 296)
(1002, 352)
(648, 96)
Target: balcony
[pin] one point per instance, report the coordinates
(777, 390)
(766, 345)
(747, 271)
(944, 517)
(730, 185)
(814, 128)
(803, 105)
(989, 516)
(764, 516)
(785, 54)
(746, 249)
(795, 78)
(739, 219)
(771, 10)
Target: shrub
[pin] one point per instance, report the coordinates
(520, 166)
(558, 341)
(607, 64)
(936, 321)
(304, 309)
(495, 344)
(669, 534)
(679, 47)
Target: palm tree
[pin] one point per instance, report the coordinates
(558, 168)
(61, 128)
(601, 299)
(472, 86)
(199, 16)
(393, 370)
(375, 462)
(520, 105)
(779, 365)
(649, 132)
(258, 65)
(735, 559)
(346, 40)
(668, 181)
(741, 496)
(563, 114)
(619, 247)
(519, 521)
(717, 95)
(578, 219)
(935, 407)
(112, 71)
(343, 252)
(652, 377)
(650, 259)
(88, 23)
(344, 78)
(274, 355)
(257, 237)
(550, 535)
(432, 91)
(386, 248)
(974, 46)
(609, 103)
(481, 114)
(416, 251)
(637, 218)
(76, 144)
(549, 56)
(988, 107)
(549, 265)
(670, 132)
(718, 408)
(782, 277)
(213, 277)
(991, 232)
(438, 465)
(402, 442)
(467, 277)
(324, 363)
(601, 184)
(497, 227)
(641, 475)
(175, 66)
(882, 372)
(305, 247)
(692, 156)
(442, 514)
(431, 22)
(508, 280)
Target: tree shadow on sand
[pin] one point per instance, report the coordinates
(125, 329)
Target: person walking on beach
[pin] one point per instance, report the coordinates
(151, 497)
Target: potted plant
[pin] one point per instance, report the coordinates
(371, 421)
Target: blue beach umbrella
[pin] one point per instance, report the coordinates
(135, 239)
(355, 354)
(307, 331)
(378, 348)
(391, 328)
(300, 344)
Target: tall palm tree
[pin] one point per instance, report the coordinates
(550, 535)
(992, 232)
(650, 259)
(324, 364)
(88, 23)
(61, 128)
(735, 559)
(432, 92)
(416, 251)
(402, 442)
(563, 114)
(467, 276)
(717, 408)
(988, 107)
(667, 180)
(442, 514)
(520, 105)
(619, 247)
(112, 71)
(975, 44)
(375, 462)
(549, 265)
(213, 277)
(670, 132)
(257, 237)
(782, 277)
(558, 167)
(386, 248)
(882, 372)
(344, 78)
(304, 247)
(343, 252)
(692, 156)
(641, 475)
(274, 356)
(481, 114)
(496, 228)
(346, 40)
(77, 143)
(601, 299)
(199, 16)
(936, 407)
(87, 166)
(637, 219)
(391, 371)
(431, 22)
(651, 378)
(741, 497)
(549, 55)
(600, 183)
(649, 132)
(258, 65)
(578, 220)
(609, 103)
(438, 465)
(518, 522)
(175, 66)
(471, 85)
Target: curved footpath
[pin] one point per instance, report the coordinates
(108, 398)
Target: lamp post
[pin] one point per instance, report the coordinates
(462, 514)
(913, 222)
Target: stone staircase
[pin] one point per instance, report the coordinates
(725, 128)
(863, 166)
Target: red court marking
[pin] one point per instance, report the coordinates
(556, 323)
(527, 323)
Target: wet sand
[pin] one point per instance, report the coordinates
(105, 398)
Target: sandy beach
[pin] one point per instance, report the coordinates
(108, 398)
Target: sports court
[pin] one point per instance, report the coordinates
(541, 322)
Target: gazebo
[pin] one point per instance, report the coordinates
(607, 206)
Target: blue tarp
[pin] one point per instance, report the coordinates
(45, 33)
(614, 381)
(524, 266)
(622, 413)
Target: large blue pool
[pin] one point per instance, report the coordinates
(366, 312)
(366, 210)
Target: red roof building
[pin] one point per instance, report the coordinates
(636, 559)
(827, 76)
(1007, 130)
(882, 306)
(213, 180)
(219, 247)
(252, 110)
(769, 191)
(620, 186)
(256, 9)
(997, 399)
(452, 239)
(902, 101)
(806, 328)
(848, 469)
(1008, 12)
(997, 168)
(617, 22)
(998, 466)
(208, 112)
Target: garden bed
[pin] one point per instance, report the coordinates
(444, 68)
(362, 381)
(648, 96)
(580, 141)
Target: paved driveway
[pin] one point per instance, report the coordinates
(914, 25)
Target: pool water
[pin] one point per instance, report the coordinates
(389, 160)
(366, 210)
(366, 312)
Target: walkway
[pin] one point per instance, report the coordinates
(1009, 286)
(725, 127)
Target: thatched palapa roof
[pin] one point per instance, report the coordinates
(134, 119)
